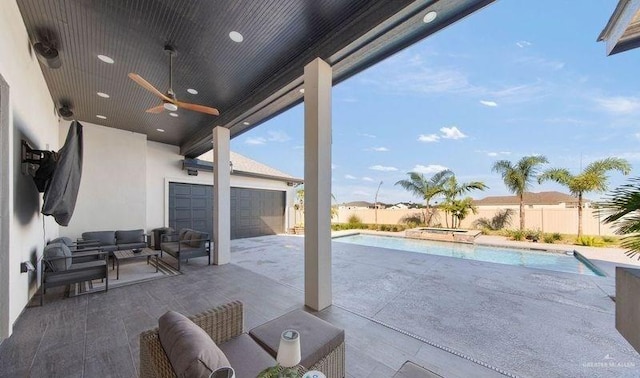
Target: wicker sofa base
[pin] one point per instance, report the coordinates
(222, 324)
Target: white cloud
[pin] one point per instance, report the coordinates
(505, 152)
(333, 166)
(619, 104)
(380, 149)
(367, 179)
(541, 63)
(428, 138)
(349, 177)
(278, 136)
(383, 168)
(298, 147)
(637, 135)
(428, 169)
(452, 133)
(523, 44)
(367, 135)
(491, 104)
(492, 154)
(255, 141)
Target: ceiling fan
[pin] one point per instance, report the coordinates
(169, 100)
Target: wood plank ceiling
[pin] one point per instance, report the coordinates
(248, 81)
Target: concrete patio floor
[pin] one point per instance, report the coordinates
(527, 322)
(459, 318)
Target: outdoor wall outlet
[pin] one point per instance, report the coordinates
(27, 266)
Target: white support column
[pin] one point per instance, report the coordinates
(317, 185)
(221, 197)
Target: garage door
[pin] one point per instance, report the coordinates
(254, 212)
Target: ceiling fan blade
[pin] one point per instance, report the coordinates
(157, 109)
(146, 85)
(198, 108)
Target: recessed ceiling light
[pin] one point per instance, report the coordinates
(106, 59)
(103, 95)
(246, 123)
(173, 114)
(236, 37)
(429, 17)
(101, 116)
(160, 130)
(192, 91)
(301, 90)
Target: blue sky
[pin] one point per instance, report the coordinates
(517, 78)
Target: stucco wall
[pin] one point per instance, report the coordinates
(125, 181)
(164, 165)
(31, 117)
(112, 193)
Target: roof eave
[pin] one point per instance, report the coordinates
(619, 22)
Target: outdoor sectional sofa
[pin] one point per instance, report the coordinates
(186, 244)
(110, 241)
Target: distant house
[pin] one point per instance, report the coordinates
(399, 206)
(542, 200)
(361, 205)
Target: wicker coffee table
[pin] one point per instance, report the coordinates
(129, 254)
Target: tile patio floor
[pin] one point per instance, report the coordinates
(521, 321)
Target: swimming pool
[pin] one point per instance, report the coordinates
(522, 257)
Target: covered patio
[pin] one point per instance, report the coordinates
(458, 318)
(129, 72)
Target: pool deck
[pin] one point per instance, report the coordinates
(526, 322)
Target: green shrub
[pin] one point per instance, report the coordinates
(533, 235)
(609, 239)
(590, 241)
(354, 219)
(556, 236)
(548, 238)
(394, 229)
(516, 234)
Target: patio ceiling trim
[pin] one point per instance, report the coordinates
(622, 32)
(391, 35)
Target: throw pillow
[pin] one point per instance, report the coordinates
(190, 350)
(53, 254)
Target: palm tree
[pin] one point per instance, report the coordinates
(459, 208)
(623, 207)
(592, 179)
(425, 188)
(519, 176)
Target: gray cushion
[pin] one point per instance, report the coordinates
(190, 350)
(132, 236)
(54, 251)
(103, 237)
(183, 233)
(246, 356)
(317, 337)
(63, 239)
(197, 239)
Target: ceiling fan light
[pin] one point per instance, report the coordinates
(170, 106)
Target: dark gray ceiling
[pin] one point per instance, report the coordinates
(249, 81)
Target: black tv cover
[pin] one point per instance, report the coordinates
(62, 192)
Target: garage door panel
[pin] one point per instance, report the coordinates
(254, 212)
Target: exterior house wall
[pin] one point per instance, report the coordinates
(125, 181)
(112, 194)
(28, 114)
(164, 165)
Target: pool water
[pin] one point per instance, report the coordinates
(511, 256)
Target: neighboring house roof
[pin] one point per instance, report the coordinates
(530, 198)
(243, 166)
(358, 204)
